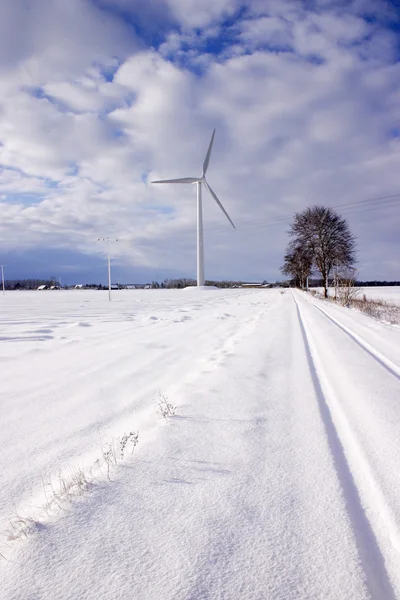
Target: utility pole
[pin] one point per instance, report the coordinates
(2, 278)
(107, 240)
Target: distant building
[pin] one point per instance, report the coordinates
(42, 287)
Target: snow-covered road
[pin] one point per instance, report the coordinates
(358, 387)
(276, 478)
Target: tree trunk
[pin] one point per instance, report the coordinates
(325, 277)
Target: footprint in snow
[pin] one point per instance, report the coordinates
(182, 319)
(41, 331)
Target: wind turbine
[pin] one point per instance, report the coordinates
(199, 181)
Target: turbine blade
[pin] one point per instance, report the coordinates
(214, 195)
(181, 180)
(207, 158)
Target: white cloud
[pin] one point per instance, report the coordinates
(193, 13)
(90, 93)
(274, 32)
(50, 39)
(290, 131)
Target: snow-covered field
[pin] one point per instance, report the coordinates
(388, 293)
(278, 476)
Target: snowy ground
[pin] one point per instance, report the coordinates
(276, 478)
(388, 293)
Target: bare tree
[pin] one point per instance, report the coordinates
(326, 237)
(345, 285)
(298, 264)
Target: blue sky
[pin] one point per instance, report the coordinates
(99, 97)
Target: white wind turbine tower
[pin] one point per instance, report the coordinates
(198, 181)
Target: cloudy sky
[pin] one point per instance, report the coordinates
(99, 97)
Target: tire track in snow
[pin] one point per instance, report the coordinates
(389, 365)
(255, 542)
(372, 559)
(254, 459)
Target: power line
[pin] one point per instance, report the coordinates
(380, 200)
(286, 219)
(383, 202)
(383, 198)
(355, 207)
(369, 209)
